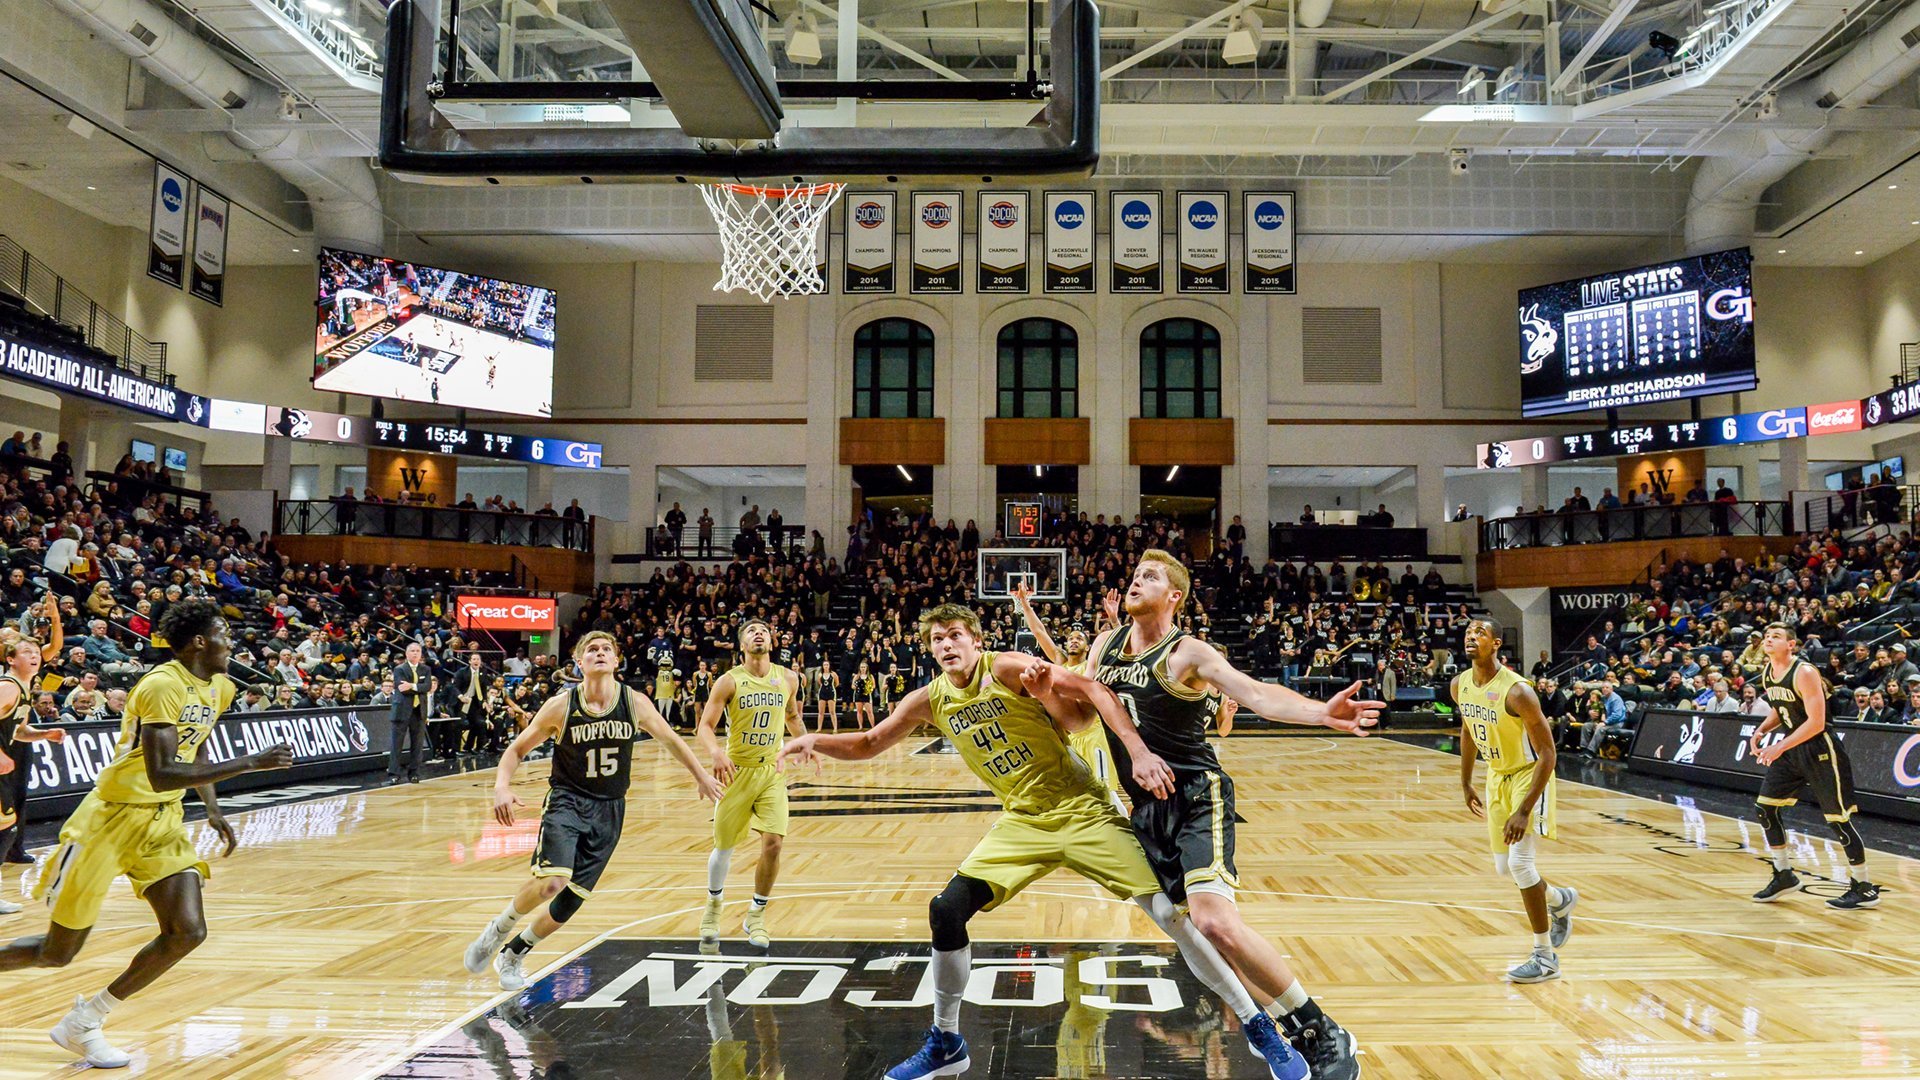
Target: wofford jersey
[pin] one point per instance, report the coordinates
(1784, 696)
(594, 755)
(1173, 719)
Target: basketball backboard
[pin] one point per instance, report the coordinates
(585, 91)
(1001, 570)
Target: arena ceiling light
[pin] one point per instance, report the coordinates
(904, 474)
(1242, 45)
(1473, 80)
(803, 39)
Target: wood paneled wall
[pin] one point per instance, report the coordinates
(893, 442)
(559, 570)
(1039, 442)
(1180, 442)
(1611, 564)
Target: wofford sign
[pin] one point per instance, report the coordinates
(505, 613)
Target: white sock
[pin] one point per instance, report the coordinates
(1779, 857)
(507, 919)
(1290, 999)
(760, 902)
(717, 864)
(951, 969)
(1557, 897)
(1543, 940)
(1857, 873)
(1201, 957)
(102, 1003)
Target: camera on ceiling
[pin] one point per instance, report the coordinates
(1458, 161)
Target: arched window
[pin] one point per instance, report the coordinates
(893, 369)
(1039, 369)
(1179, 370)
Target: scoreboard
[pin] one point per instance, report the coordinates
(317, 426)
(1025, 521)
(1655, 436)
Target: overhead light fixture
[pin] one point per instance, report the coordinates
(904, 474)
(1473, 80)
(90, 187)
(1509, 78)
(80, 126)
(1171, 473)
(289, 108)
(1859, 253)
(1242, 45)
(296, 251)
(803, 38)
(1783, 251)
(1893, 187)
(1663, 43)
(1039, 471)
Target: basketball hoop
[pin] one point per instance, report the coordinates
(769, 236)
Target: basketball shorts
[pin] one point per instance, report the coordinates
(756, 800)
(1819, 767)
(1084, 834)
(102, 840)
(577, 836)
(1505, 793)
(1188, 838)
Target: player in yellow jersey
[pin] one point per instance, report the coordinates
(1500, 718)
(131, 824)
(1056, 815)
(761, 701)
(1090, 741)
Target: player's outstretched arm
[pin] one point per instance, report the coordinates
(546, 724)
(1525, 704)
(656, 725)
(1042, 680)
(912, 711)
(707, 730)
(25, 731)
(1271, 700)
(1023, 599)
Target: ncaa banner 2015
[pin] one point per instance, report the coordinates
(1003, 242)
(167, 230)
(1069, 242)
(1202, 246)
(937, 229)
(210, 214)
(1270, 234)
(869, 241)
(1135, 244)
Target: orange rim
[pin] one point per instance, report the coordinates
(780, 192)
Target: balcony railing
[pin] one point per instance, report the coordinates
(401, 521)
(53, 296)
(1638, 523)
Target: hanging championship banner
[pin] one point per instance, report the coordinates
(1203, 236)
(869, 241)
(210, 212)
(1135, 248)
(167, 231)
(1003, 242)
(1069, 242)
(1269, 231)
(937, 228)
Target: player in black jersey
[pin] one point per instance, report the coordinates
(593, 726)
(1171, 684)
(1808, 759)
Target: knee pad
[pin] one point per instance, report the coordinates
(1856, 848)
(953, 907)
(1770, 824)
(562, 907)
(1500, 864)
(1520, 865)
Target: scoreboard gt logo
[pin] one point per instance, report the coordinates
(1780, 424)
(1002, 214)
(936, 215)
(869, 215)
(1070, 215)
(1541, 337)
(1136, 214)
(1730, 304)
(1269, 215)
(587, 454)
(1203, 215)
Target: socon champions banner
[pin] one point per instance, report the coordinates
(504, 613)
(937, 229)
(210, 215)
(1069, 242)
(1202, 231)
(1003, 242)
(869, 241)
(318, 736)
(1136, 243)
(1270, 231)
(167, 230)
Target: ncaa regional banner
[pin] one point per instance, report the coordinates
(1003, 242)
(1203, 241)
(167, 232)
(210, 213)
(937, 227)
(869, 241)
(1269, 217)
(1135, 247)
(1069, 242)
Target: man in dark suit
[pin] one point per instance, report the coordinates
(469, 702)
(413, 686)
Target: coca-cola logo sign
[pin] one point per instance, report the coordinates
(1833, 418)
(504, 613)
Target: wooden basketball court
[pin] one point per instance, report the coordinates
(336, 932)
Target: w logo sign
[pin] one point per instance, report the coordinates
(1661, 479)
(412, 479)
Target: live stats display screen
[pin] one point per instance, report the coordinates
(1654, 333)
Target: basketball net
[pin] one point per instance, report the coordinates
(769, 236)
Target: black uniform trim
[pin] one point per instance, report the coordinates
(1188, 838)
(577, 836)
(1818, 765)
